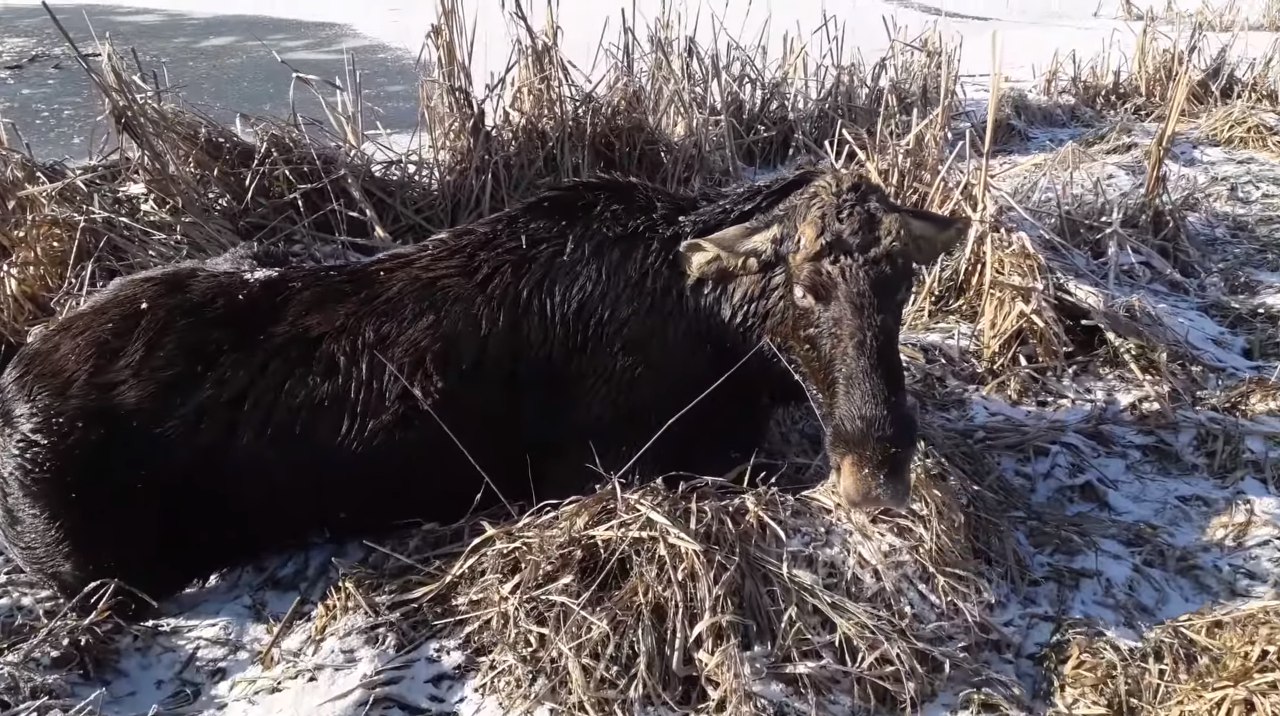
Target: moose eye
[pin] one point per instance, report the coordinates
(802, 295)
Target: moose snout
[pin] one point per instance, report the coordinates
(872, 470)
(866, 486)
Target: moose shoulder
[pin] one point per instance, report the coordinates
(190, 419)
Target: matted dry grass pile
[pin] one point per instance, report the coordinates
(1240, 125)
(710, 597)
(1224, 661)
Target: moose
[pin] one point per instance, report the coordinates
(191, 418)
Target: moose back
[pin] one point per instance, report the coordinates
(191, 418)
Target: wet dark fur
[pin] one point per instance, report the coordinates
(190, 419)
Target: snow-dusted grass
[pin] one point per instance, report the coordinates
(1097, 380)
(1085, 27)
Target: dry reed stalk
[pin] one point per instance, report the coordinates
(1257, 396)
(1163, 141)
(1268, 20)
(907, 145)
(1102, 240)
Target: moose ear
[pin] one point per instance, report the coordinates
(926, 236)
(728, 253)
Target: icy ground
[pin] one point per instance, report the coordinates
(45, 94)
(1134, 519)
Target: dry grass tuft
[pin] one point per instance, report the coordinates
(1001, 283)
(1146, 82)
(43, 641)
(1224, 661)
(1020, 116)
(1251, 398)
(689, 598)
(1214, 15)
(1242, 126)
(1105, 233)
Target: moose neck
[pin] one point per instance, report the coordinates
(751, 305)
(586, 258)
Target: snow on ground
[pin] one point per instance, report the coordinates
(51, 100)
(208, 654)
(1173, 527)
(1132, 521)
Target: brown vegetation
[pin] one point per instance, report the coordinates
(647, 596)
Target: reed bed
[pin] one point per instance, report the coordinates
(714, 597)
